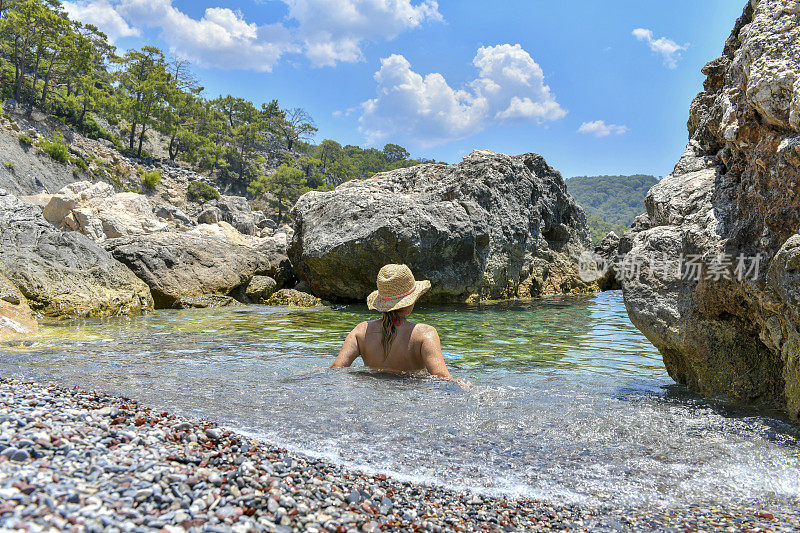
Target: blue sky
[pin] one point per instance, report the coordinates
(595, 87)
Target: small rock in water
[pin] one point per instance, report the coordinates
(354, 497)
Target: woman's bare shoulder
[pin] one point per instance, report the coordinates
(424, 331)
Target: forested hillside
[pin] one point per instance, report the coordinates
(70, 71)
(611, 202)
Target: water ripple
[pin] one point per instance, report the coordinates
(570, 402)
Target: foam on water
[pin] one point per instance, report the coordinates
(573, 406)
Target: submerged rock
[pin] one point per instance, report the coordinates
(293, 298)
(492, 226)
(63, 275)
(207, 301)
(716, 288)
(16, 317)
(176, 265)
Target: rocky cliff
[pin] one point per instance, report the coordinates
(712, 277)
(492, 226)
(63, 275)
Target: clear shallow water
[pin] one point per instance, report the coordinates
(569, 402)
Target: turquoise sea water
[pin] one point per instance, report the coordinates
(569, 401)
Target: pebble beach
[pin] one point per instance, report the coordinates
(76, 460)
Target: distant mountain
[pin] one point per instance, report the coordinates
(611, 202)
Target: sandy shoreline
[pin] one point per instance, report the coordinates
(79, 460)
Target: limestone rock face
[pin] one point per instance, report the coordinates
(25, 171)
(720, 297)
(95, 210)
(63, 275)
(16, 317)
(608, 252)
(174, 214)
(210, 215)
(224, 232)
(492, 226)
(176, 265)
(236, 211)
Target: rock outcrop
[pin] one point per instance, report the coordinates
(16, 317)
(63, 275)
(260, 289)
(718, 277)
(176, 265)
(609, 256)
(100, 213)
(207, 301)
(293, 298)
(492, 226)
(236, 211)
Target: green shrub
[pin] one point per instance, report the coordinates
(56, 148)
(78, 162)
(201, 191)
(25, 140)
(126, 151)
(150, 180)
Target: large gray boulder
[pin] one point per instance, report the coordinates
(179, 265)
(236, 211)
(492, 226)
(712, 268)
(63, 275)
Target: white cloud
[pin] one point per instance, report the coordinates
(426, 110)
(335, 30)
(326, 31)
(669, 50)
(599, 128)
(220, 38)
(103, 15)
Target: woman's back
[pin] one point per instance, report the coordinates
(414, 347)
(404, 354)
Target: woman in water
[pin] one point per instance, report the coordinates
(392, 342)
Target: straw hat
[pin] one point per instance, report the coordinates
(396, 289)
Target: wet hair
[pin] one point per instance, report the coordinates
(389, 330)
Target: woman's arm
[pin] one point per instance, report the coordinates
(432, 353)
(349, 351)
